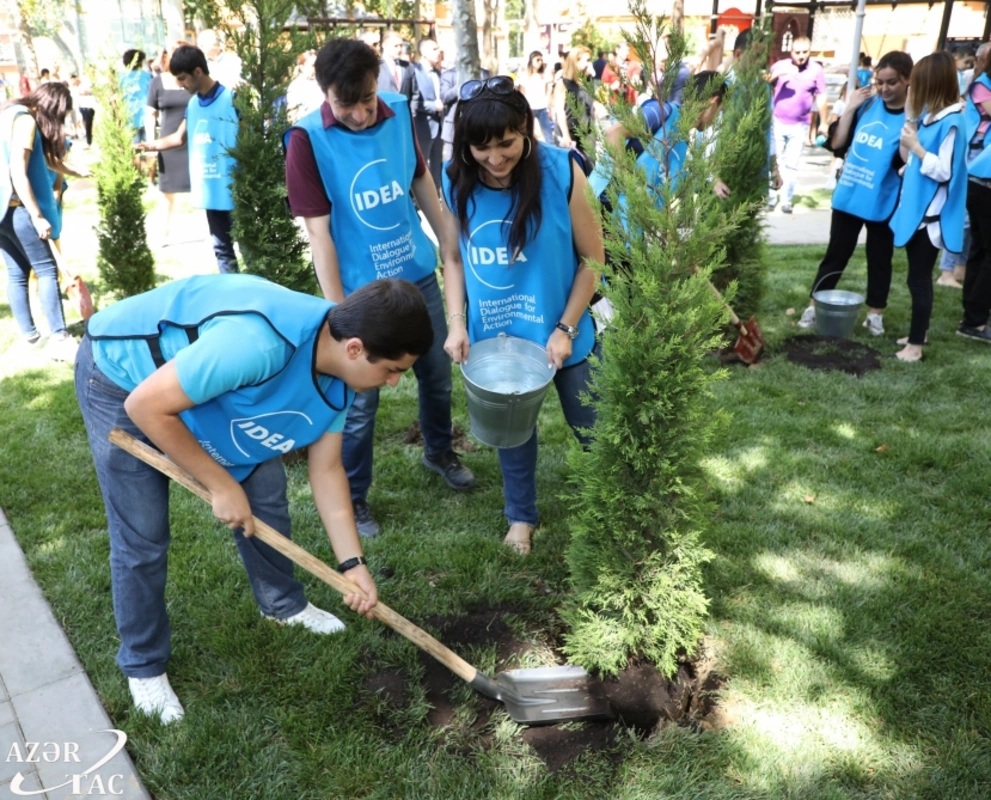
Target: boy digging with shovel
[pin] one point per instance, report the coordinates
(225, 374)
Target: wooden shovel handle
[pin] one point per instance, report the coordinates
(733, 318)
(297, 554)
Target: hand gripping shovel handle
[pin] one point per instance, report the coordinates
(297, 554)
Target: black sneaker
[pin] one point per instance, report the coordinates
(449, 467)
(367, 526)
(979, 334)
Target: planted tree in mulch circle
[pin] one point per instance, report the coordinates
(268, 238)
(124, 259)
(742, 164)
(638, 498)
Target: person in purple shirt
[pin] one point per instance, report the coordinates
(799, 84)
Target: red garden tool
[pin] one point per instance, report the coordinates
(750, 343)
(73, 285)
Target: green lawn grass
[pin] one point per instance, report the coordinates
(849, 594)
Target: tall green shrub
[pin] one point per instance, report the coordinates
(270, 242)
(741, 163)
(638, 495)
(126, 264)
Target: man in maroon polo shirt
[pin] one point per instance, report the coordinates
(352, 170)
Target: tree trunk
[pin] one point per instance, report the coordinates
(678, 15)
(531, 27)
(490, 27)
(466, 39)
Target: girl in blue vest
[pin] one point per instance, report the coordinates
(977, 278)
(32, 136)
(209, 131)
(931, 205)
(527, 231)
(868, 134)
(171, 366)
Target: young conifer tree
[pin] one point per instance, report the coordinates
(742, 164)
(269, 241)
(124, 259)
(638, 495)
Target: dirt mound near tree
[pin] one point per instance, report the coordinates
(640, 697)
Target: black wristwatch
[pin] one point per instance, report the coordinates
(571, 330)
(351, 563)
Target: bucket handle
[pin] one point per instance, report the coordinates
(834, 272)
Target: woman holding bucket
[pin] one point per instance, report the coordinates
(932, 203)
(867, 134)
(528, 235)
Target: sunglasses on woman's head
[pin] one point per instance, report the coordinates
(500, 85)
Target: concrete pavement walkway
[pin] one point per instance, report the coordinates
(53, 728)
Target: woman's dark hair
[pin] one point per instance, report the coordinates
(484, 119)
(708, 84)
(134, 59)
(898, 61)
(185, 59)
(390, 317)
(346, 65)
(529, 62)
(49, 104)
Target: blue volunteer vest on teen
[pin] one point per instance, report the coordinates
(868, 185)
(525, 297)
(247, 426)
(41, 178)
(664, 162)
(210, 131)
(602, 174)
(980, 166)
(918, 191)
(368, 177)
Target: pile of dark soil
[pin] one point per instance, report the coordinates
(640, 697)
(830, 353)
(461, 442)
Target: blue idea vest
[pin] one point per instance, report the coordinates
(211, 131)
(868, 185)
(980, 167)
(41, 178)
(525, 297)
(664, 162)
(247, 426)
(918, 191)
(602, 174)
(368, 177)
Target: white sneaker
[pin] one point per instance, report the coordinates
(808, 318)
(313, 619)
(62, 348)
(154, 696)
(874, 324)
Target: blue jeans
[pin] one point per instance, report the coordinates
(433, 374)
(24, 251)
(519, 464)
(544, 120)
(136, 497)
(220, 223)
(948, 261)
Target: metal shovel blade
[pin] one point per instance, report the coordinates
(545, 695)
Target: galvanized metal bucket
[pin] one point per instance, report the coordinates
(506, 379)
(836, 310)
